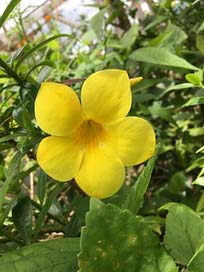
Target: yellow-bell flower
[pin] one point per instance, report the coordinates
(92, 141)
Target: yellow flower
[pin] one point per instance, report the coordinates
(92, 141)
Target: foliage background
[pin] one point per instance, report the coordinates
(166, 47)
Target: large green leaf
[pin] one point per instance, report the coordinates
(114, 240)
(196, 264)
(50, 256)
(8, 10)
(184, 232)
(160, 56)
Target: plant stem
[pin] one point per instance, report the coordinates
(10, 72)
(10, 236)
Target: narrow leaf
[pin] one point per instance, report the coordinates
(12, 136)
(181, 86)
(8, 10)
(12, 175)
(41, 186)
(138, 190)
(194, 101)
(37, 47)
(45, 208)
(160, 56)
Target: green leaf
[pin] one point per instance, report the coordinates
(50, 256)
(160, 56)
(136, 194)
(23, 117)
(170, 38)
(43, 63)
(12, 136)
(97, 23)
(194, 101)
(41, 186)
(177, 87)
(44, 73)
(158, 111)
(195, 78)
(196, 264)
(177, 182)
(8, 10)
(114, 240)
(197, 131)
(200, 43)
(184, 232)
(22, 215)
(199, 181)
(129, 37)
(37, 47)
(146, 83)
(12, 175)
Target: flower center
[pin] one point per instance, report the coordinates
(90, 134)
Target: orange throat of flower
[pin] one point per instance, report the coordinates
(91, 134)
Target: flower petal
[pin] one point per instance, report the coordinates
(59, 157)
(57, 109)
(106, 95)
(134, 140)
(101, 174)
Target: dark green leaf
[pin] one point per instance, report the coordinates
(51, 256)
(41, 186)
(12, 136)
(184, 232)
(22, 215)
